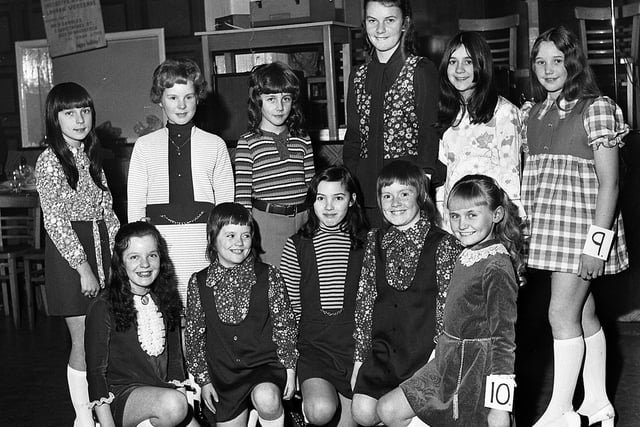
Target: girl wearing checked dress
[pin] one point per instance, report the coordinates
(321, 267)
(241, 332)
(570, 191)
(478, 340)
(274, 160)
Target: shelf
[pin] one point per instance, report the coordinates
(328, 34)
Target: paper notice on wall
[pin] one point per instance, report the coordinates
(73, 26)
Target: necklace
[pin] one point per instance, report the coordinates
(144, 298)
(178, 147)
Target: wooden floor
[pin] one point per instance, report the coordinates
(33, 390)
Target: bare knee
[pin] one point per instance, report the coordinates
(386, 410)
(364, 411)
(319, 411)
(267, 400)
(172, 408)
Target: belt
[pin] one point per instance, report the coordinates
(278, 209)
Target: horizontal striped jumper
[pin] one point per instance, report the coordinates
(262, 173)
(332, 247)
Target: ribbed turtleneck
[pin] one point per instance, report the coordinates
(180, 133)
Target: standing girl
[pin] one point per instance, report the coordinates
(79, 221)
(482, 130)
(570, 191)
(321, 267)
(274, 160)
(241, 331)
(134, 356)
(403, 283)
(178, 173)
(391, 102)
(478, 340)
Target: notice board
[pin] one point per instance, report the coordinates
(118, 78)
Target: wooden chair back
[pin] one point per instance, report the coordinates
(501, 34)
(20, 221)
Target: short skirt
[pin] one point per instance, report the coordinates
(64, 293)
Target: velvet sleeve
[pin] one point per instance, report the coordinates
(97, 335)
(427, 90)
(351, 145)
(501, 290)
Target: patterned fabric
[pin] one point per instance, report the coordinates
(148, 180)
(403, 250)
(262, 173)
(559, 229)
(401, 130)
(285, 331)
(232, 289)
(446, 255)
(332, 246)
(491, 148)
(61, 204)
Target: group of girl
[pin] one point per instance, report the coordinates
(399, 324)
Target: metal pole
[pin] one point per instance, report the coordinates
(615, 51)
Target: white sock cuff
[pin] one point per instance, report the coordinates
(568, 342)
(145, 423)
(597, 336)
(75, 373)
(278, 422)
(417, 422)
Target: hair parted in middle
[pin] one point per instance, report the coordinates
(408, 40)
(276, 77)
(407, 173)
(482, 104)
(580, 83)
(164, 288)
(355, 223)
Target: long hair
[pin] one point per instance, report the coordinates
(177, 71)
(580, 83)
(163, 288)
(407, 173)
(225, 214)
(275, 77)
(473, 190)
(408, 39)
(64, 96)
(354, 222)
(482, 104)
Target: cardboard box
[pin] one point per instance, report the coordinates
(279, 12)
(233, 22)
(214, 9)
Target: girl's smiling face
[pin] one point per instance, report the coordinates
(460, 72)
(550, 69)
(332, 203)
(399, 205)
(473, 224)
(142, 263)
(179, 103)
(384, 26)
(233, 244)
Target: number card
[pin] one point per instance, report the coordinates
(499, 392)
(598, 243)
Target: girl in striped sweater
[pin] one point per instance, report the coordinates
(321, 267)
(274, 160)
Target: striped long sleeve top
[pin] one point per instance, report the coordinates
(262, 173)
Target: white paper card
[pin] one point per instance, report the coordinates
(499, 392)
(598, 243)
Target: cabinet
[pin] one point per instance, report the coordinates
(334, 38)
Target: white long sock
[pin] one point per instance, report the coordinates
(417, 422)
(278, 422)
(145, 423)
(594, 374)
(567, 360)
(79, 392)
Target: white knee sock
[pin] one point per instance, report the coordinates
(145, 423)
(417, 422)
(278, 422)
(79, 392)
(567, 360)
(594, 374)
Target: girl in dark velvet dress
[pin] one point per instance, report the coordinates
(134, 357)
(478, 341)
